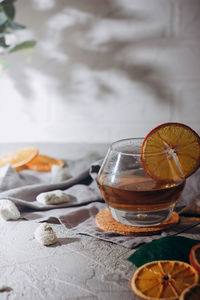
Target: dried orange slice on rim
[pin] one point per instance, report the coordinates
(171, 152)
(44, 163)
(164, 280)
(20, 157)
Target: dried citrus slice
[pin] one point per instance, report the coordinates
(195, 257)
(171, 152)
(191, 293)
(20, 157)
(163, 280)
(44, 163)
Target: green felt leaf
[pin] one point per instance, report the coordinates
(23, 45)
(166, 248)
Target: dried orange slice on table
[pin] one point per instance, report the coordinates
(171, 152)
(191, 293)
(44, 163)
(195, 257)
(164, 280)
(19, 158)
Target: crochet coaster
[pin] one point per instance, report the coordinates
(107, 223)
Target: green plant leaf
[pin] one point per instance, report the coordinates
(23, 45)
(7, 1)
(15, 25)
(3, 28)
(166, 248)
(3, 17)
(9, 9)
(8, 25)
(3, 42)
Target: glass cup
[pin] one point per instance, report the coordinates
(133, 197)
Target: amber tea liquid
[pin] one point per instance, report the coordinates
(135, 191)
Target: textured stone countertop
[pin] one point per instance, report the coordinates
(78, 267)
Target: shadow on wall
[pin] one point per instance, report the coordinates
(89, 48)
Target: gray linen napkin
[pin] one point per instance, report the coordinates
(79, 214)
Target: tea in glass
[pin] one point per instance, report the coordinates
(134, 198)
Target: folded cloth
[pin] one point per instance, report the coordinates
(24, 186)
(78, 215)
(192, 209)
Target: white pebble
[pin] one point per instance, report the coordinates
(8, 210)
(45, 235)
(53, 197)
(59, 174)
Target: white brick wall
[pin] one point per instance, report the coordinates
(102, 70)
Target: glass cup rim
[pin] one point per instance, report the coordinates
(132, 153)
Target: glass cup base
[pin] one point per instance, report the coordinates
(142, 219)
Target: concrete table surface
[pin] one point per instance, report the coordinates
(78, 267)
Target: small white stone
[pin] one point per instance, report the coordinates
(45, 235)
(59, 174)
(4, 288)
(8, 210)
(53, 197)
